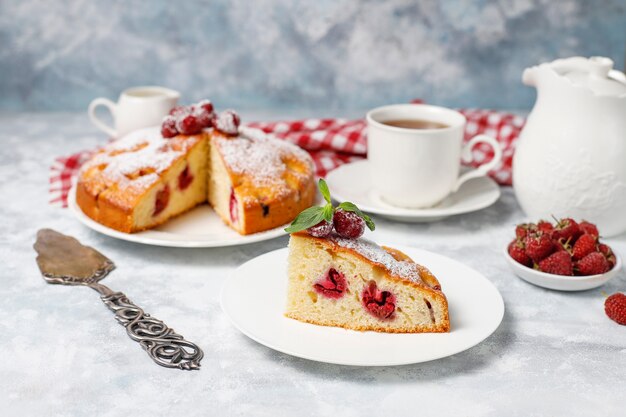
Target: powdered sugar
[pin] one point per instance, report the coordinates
(373, 252)
(137, 159)
(262, 157)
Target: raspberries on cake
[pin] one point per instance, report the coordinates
(564, 248)
(615, 308)
(188, 120)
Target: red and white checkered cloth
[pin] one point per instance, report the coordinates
(334, 142)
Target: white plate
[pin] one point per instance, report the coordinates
(561, 282)
(351, 182)
(198, 228)
(254, 298)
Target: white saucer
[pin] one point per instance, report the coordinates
(254, 298)
(351, 182)
(198, 228)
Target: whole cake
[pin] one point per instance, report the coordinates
(252, 181)
(336, 278)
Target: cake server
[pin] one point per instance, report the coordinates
(64, 260)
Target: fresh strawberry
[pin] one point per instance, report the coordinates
(517, 252)
(538, 246)
(608, 253)
(592, 264)
(585, 244)
(615, 308)
(559, 263)
(521, 230)
(589, 228)
(566, 229)
(545, 227)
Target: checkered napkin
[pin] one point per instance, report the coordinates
(334, 142)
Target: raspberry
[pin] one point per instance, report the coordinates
(204, 113)
(517, 252)
(322, 229)
(545, 227)
(205, 105)
(538, 246)
(188, 125)
(566, 229)
(593, 264)
(559, 263)
(608, 254)
(185, 178)
(521, 230)
(348, 224)
(380, 304)
(589, 228)
(332, 285)
(615, 308)
(178, 111)
(585, 244)
(234, 211)
(162, 198)
(227, 122)
(168, 128)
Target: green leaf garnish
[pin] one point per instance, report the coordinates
(324, 190)
(348, 206)
(313, 215)
(307, 218)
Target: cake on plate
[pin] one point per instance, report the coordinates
(337, 278)
(253, 182)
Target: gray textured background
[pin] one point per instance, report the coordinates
(280, 54)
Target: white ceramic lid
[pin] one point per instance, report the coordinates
(595, 73)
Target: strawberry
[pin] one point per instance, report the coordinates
(585, 244)
(517, 252)
(566, 229)
(545, 227)
(592, 264)
(559, 263)
(615, 308)
(589, 228)
(538, 246)
(608, 254)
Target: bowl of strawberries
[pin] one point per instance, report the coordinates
(565, 255)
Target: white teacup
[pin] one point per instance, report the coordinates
(137, 107)
(418, 168)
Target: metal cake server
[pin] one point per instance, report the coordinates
(64, 260)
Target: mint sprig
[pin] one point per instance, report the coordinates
(313, 215)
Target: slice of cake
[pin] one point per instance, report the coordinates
(143, 179)
(336, 278)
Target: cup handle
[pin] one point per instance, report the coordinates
(481, 171)
(91, 111)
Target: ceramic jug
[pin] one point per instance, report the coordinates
(570, 159)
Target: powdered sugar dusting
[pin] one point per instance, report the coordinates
(137, 159)
(373, 252)
(261, 156)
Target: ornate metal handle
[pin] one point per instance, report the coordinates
(166, 347)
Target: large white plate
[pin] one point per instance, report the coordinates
(254, 298)
(199, 228)
(351, 182)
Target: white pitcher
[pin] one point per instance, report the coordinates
(570, 159)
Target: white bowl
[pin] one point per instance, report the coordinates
(561, 282)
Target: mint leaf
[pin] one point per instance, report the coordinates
(307, 218)
(348, 206)
(324, 190)
(328, 212)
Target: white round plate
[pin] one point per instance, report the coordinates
(198, 228)
(562, 282)
(351, 182)
(254, 298)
